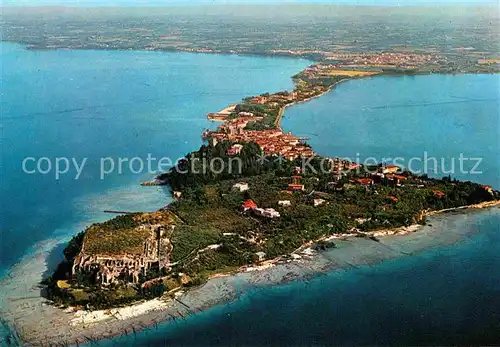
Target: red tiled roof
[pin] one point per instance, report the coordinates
(293, 186)
(399, 177)
(439, 193)
(365, 180)
(250, 204)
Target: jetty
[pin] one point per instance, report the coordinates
(155, 182)
(222, 115)
(118, 212)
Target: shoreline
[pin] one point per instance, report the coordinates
(416, 227)
(310, 56)
(38, 321)
(149, 313)
(282, 111)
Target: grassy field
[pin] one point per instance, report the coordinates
(123, 234)
(350, 73)
(489, 61)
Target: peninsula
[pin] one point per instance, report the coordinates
(269, 197)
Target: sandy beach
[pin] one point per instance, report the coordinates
(38, 323)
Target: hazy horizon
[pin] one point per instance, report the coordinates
(156, 3)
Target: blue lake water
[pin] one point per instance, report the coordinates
(444, 296)
(99, 104)
(123, 104)
(406, 116)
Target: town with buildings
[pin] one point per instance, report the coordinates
(384, 60)
(257, 119)
(376, 60)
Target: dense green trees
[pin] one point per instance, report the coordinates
(74, 246)
(216, 235)
(211, 164)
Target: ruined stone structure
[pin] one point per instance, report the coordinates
(127, 267)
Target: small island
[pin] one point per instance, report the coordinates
(269, 196)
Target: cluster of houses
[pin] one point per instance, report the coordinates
(272, 141)
(386, 174)
(237, 125)
(284, 98)
(381, 59)
(357, 60)
(251, 206)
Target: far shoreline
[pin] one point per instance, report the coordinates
(27, 47)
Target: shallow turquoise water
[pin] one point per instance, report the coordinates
(97, 104)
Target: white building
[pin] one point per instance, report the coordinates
(285, 203)
(318, 202)
(261, 256)
(241, 187)
(267, 212)
(245, 114)
(234, 150)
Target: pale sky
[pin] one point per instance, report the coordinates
(198, 2)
